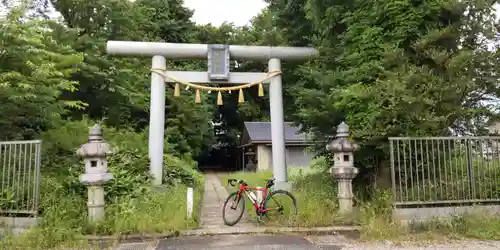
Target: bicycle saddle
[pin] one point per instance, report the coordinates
(269, 182)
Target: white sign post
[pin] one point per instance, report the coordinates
(189, 201)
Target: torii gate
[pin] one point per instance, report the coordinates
(218, 57)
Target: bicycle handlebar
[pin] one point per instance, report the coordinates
(233, 182)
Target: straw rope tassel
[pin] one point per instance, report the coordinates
(198, 97)
(261, 90)
(209, 88)
(241, 98)
(219, 99)
(177, 90)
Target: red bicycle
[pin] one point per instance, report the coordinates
(267, 204)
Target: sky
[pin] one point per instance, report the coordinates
(239, 12)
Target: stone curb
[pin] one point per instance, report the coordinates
(223, 231)
(273, 230)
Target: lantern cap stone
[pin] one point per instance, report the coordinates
(342, 130)
(95, 133)
(342, 144)
(96, 146)
(250, 152)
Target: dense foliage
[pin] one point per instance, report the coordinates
(35, 69)
(392, 68)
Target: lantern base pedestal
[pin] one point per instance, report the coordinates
(344, 176)
(344, 172)
(95, 203)
(95, 178)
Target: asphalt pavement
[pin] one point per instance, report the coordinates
(325, 242)
(233, 242)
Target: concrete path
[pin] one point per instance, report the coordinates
(214, 197)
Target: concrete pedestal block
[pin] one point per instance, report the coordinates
(17, 225)
(287, 186)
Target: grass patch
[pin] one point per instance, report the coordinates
(163, 212)
(481, 226)
(66, 221)
(317, 204)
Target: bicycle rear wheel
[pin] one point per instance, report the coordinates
(282, 208)
(234, 203)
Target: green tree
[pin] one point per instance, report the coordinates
(113, 87)
(117, 88)
(165, 20)
(291, 20)
(34, 71)
(392, 68)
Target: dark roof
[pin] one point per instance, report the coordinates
(261, 132)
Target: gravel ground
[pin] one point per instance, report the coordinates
(409, 245)
(472, 245)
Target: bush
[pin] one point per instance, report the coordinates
(129, 162)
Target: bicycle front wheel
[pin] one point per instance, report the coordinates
(233, 209)
(282, 207)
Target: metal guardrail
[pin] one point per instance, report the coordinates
(445, 170)
(20, 176)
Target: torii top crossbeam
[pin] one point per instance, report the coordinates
(200, 51)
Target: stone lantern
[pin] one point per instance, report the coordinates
(96, 171)
(343, 168)
(251, 160)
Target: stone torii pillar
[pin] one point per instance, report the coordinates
(218, 57)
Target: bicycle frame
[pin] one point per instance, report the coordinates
(259, 207)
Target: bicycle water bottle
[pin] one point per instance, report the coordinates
(252, 196)
(259, 195)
